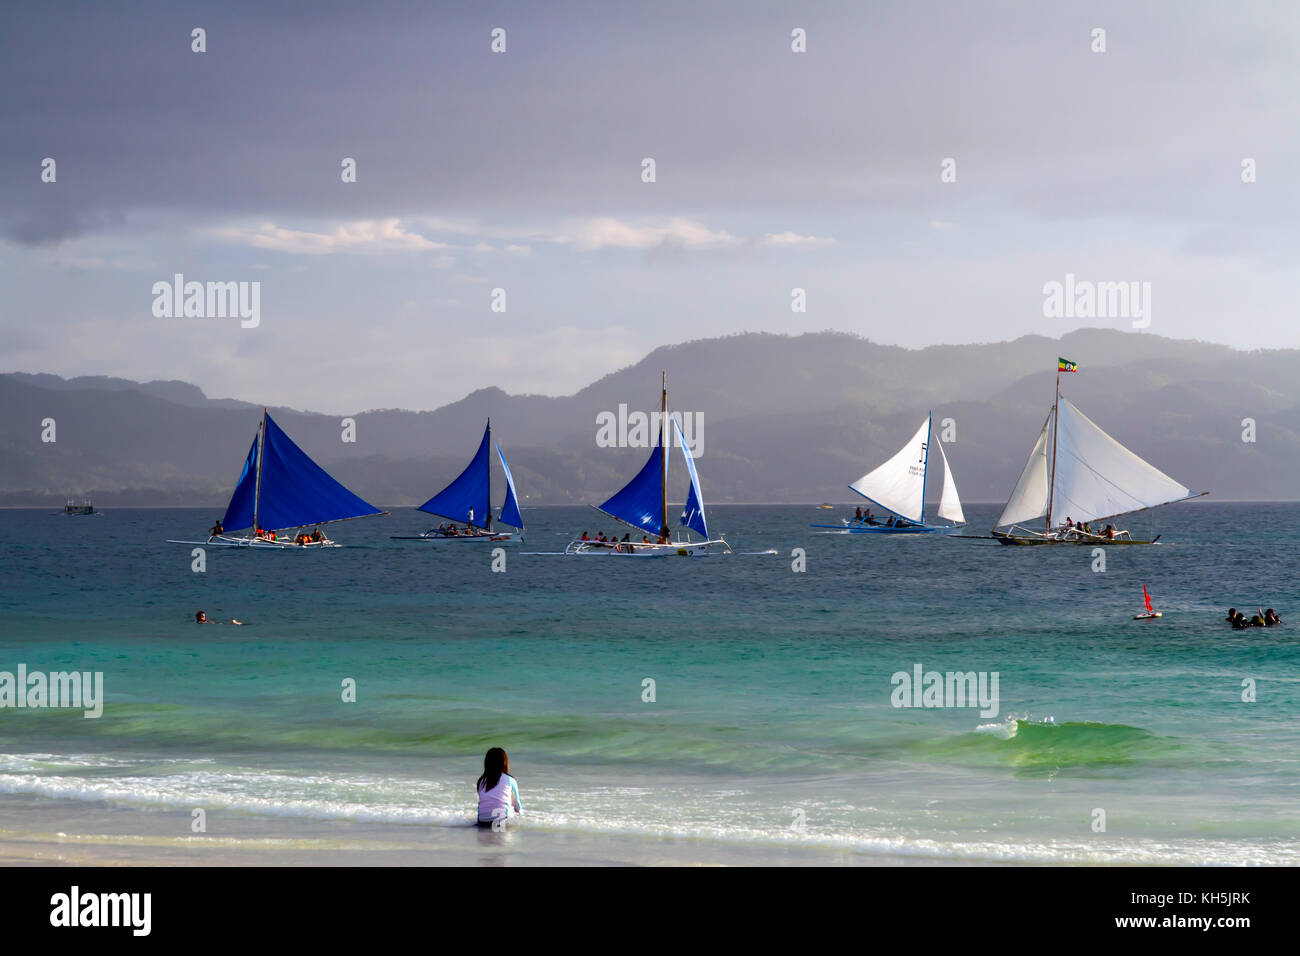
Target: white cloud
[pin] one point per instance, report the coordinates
(609, 232)
(793, 239)
(362, 235)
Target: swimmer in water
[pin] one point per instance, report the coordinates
(498, 794)
(201, 618)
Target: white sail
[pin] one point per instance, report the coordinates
(899, 484)
(949, 503)
(1029, 499)
(1097, 477)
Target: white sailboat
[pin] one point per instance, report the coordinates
(1076, 475)
(898, 487)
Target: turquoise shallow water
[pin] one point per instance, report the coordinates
(772, 723)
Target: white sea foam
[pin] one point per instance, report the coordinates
(676, 813)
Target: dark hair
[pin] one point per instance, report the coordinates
(495, 763)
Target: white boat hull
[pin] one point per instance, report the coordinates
(260, 544)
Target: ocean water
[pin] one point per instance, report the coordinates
(771, 730)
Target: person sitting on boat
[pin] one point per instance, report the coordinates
(317, 536)
(890, 522)
(585, 537)
(1271, 618)
(1110, 532)
(857, 514)
(868, 518)
(663, 539)
(644, 539)
(215, 530)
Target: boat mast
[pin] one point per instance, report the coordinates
(663, 454)
(925, 464)
(489, 468)
(1056, 422)
(257, 492)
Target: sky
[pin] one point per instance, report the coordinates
(522, 171)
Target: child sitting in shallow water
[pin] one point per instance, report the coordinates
(498, 795)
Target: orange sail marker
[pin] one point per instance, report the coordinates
(1150, 611)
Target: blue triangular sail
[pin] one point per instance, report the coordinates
(693, 513)
(467, 498)
(239, 513)
(510, 509)
(640, 502)
(295, 491)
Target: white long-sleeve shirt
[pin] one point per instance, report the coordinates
(502, 801)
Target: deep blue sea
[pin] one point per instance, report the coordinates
(771, 723)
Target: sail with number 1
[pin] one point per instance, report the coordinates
(1077, 476)
(466, 503)
(280, 490)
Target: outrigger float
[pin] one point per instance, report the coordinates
(642, 505)
(469, 497)
(281, 490)
(1082, 475)
(898, 487)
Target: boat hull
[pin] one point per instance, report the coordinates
(1017, 540)
(883, 529)
(450, 537)
(257, 544)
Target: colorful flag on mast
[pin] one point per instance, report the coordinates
(1065, 365)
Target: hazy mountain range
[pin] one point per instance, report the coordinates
(785, 419)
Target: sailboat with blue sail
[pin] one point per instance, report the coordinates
(280, 490)
(642, 505)
(898, 487)
(466, 503)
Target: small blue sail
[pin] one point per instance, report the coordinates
(640, 503)
(467, 498)
(510, 509)
(693, 513)
(239, 513)
(296, 491)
